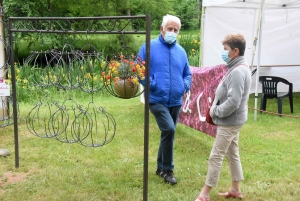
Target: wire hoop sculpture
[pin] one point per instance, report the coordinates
(86, 125)
(6, 111)
(70, 122)
(67, 69)
(4, 46)
(5, 54)
(93, 64)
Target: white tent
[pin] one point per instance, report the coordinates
(278, 51)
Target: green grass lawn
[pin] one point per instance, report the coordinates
(52, 170)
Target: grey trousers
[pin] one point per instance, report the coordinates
(225, 144)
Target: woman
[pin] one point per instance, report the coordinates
(229, 112)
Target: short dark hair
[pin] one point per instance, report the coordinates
(235, 41)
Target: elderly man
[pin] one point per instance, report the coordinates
(170, 78)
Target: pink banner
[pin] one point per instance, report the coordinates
(195, 103)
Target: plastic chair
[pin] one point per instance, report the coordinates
(269, 91)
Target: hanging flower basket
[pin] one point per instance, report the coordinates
(125, 88)
(122, 76)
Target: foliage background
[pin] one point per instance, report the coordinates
(189, 11)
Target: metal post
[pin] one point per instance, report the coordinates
(258, 58)
(202, 37)
(146, 120)
(14, 93)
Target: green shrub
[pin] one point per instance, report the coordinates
(194, 57)
(191, 44)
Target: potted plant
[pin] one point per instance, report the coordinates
(122, 75)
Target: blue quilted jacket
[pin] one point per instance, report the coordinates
(170, 74)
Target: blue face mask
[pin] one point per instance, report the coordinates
(225, 56)
(170, 37)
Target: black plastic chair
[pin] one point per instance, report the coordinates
(269, 91)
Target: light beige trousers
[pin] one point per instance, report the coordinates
(225, 144)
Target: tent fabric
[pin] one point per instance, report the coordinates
(280, 45)
(252, 3)
(281, 34)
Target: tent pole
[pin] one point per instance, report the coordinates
(258, 57)
(201, 37)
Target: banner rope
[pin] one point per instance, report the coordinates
(274, 113)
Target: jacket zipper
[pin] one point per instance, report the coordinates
(170, 69)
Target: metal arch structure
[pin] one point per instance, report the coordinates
(83, 25)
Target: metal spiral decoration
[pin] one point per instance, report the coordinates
(6, 111)
(85, 127)
(70, 122)
(88, 71)
(77, 25)
(67, 69)
(4, 46)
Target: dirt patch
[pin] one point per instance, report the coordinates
(10, 178)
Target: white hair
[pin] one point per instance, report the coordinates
(167, 18)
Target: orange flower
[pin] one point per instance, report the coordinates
(126, 68)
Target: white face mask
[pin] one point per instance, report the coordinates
(170, 37)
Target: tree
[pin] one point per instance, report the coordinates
(189, 11)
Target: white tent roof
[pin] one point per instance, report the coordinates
(253, 3)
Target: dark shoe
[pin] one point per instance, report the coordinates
(158, 172)
(168, 177)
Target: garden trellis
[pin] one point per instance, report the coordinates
(69, 69)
